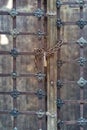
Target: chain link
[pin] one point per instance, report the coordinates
(39, 53)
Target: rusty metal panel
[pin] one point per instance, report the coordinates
(72, 60)
(22, 72)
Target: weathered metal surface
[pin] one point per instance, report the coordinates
(60, 124)
(15, 93)
(80, 2)
(59, 63)
(14, 33)
(14, 75)
(82, 121)
(82, 82)
(51, 60)
(40, 114)
(70, 71)
(15, 128)
(59, 103)
(14, 52)
(39, 13)
(59, 23)
(59, 84)
(13, 12)
(82, 61)
(14, 112)
(81, 23)
(20, 52)
(40, 93)
(58, 3)
(82, 42)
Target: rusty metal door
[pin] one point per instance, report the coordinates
(22, 73)
(72, 59)
(27, 84)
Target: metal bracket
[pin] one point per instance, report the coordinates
(59, 23)
(14, 52)
(40, 76)
(14, 33)
(59, 84)
(81, 42)
(59, 124)
(14, 75)
(59, 103)
(58, 3)
(82, 82)
(40, 114)
(13, 13)
(82, 61)
(38, 13)
(15, 93)
(81, 23)
(82, 121)
(80, 2)
(40, 93)
(14, 112)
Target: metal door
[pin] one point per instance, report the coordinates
(72, 59)
(22, 73)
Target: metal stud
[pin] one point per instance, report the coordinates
(14, 52)
(59, 23)
(59, 63)
(59, 84)
(40, 34)
(15, 128)
(59, 103)
(40, 93)
(14, 33)
(14, 112)
(14, 75)
(81, 23)
(59, 124)
(82, 82)
(82, 121)
(15, 93)
(80, 2)
(58, 3)
(82, 61)
(40, 76)
(13, 13)
(40, 114)
(38, 13)
(81, 42)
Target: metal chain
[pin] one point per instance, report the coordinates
(50, 51)
(54, 48)
(39, 53)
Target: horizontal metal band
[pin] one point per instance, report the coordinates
(20, 112)
(24, 33)
(15, 93)
(19, 53)
(81, 61)
(22, 75)
(80, 122)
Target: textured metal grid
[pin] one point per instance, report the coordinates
(81, 61)
(40, 76)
